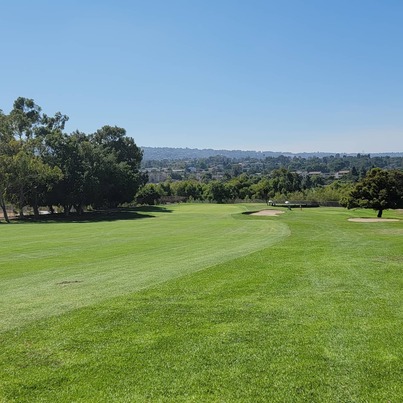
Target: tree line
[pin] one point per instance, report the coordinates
(41, 165)
(379, 189)
(278, 186)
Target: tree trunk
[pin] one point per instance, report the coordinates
(3, 207)
(35, 206)
(21, 203)
(79, 209)
(379, 213)
(36, 211)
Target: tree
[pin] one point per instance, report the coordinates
(263, 189)
(101, 169)
(41, 165)
(379, 190)
(5, 137)
(26, 175)
(72, 154)
(241, 187)
(118, 168)
(189, 189)
(283, 181)
(149, 194)
(217, 191)
(24, 118)
(29, 176)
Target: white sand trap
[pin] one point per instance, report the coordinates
(372, 219)
(268, 212)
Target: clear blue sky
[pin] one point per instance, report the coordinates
(308, 75)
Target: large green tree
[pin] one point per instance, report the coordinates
(283, 181)
(264, 189)
(42, 165)
(74, 155)
(379, 190)
(26, 174)
(101, 169)
(119, 166)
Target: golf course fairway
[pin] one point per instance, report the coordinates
(201, 302)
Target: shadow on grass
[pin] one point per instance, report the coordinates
(115, 214)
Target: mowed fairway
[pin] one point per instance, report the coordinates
(46, 269)
(203, 303)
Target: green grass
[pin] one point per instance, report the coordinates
(50, 268)
(203, 303)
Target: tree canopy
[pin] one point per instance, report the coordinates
(379, 190)
(41, 165)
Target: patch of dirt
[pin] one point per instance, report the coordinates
(372, 219)
(69, 282)
(268, 212)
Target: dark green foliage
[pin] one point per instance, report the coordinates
(217, 192)
(149, 194)
(279, 186)
(41, 165)
(119, 162)
(24, 173)
(190, 189)
(379, 190)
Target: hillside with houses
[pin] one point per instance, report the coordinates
(221, 166)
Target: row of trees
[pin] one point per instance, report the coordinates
(379, 190)
(40, 165)
(280, 185)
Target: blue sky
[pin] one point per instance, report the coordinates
(308, 75)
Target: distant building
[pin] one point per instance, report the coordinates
(340, 174)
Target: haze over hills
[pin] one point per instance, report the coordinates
(171, 153)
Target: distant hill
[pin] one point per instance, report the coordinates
(169, 153)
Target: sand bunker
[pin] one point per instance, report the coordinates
(268, 212)
(372, 219)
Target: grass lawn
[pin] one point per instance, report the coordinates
(202, 303)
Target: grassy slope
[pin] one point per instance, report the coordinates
(316, 317)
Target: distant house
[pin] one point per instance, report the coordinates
(156, 175)
(340, 174)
